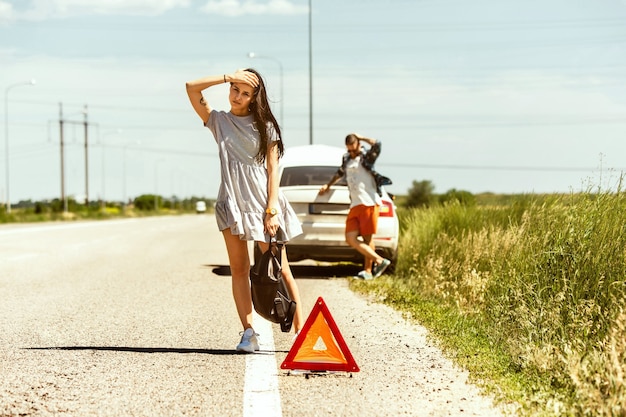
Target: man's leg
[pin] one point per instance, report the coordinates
(368, 262)
(360, 222)
(352, 237)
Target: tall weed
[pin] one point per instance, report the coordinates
(600, 375)
(545, 275)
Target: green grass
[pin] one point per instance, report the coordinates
(527, 295)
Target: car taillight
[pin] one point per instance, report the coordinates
(386, 209)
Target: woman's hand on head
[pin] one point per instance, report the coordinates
(247, 77)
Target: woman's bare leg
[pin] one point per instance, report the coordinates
(240, 271)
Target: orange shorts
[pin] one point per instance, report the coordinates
(363, 219)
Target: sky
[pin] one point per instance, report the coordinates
(502, 96)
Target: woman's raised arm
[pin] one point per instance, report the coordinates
(194, 91)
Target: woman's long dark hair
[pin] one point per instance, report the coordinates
(264, 119)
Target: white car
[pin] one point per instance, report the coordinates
(200, 207)
(303, 170)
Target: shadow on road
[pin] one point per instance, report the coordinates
(304, 271)
(149, 350)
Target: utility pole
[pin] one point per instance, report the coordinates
(86, 159)
(62, 158)
(310, 79)
(85, 123)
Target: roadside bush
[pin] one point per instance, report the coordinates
(421, 194)
(145, 202)
(462, 197)
(56, 206)
(54, 210)
(40, 208)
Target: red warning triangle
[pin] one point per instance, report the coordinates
(320, 345)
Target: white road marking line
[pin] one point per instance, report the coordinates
(260, 389)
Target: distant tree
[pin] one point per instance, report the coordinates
(73, 206)
(146, 202)
(420, 194)
(40, 208)
(464, 198)
(56, 206)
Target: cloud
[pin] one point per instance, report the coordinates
(38, 10)
(50, 9)
(6, 11)
(253, 7)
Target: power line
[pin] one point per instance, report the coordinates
(107, 107)
(461, 167)
(499, 168)
(344, 27)
(481, 121)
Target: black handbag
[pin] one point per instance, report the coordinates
(270, 296)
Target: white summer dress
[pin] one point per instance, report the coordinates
(242, 197)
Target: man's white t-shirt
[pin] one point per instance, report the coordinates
(361, 184)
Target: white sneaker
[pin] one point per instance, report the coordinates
(364, 275)
(249, 342)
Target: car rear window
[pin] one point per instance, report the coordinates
(309, 175)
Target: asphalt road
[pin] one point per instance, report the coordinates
(135, 318)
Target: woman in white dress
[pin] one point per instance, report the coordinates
(249, 204)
